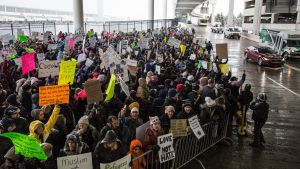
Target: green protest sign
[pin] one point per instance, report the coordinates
(199, 64)
(90, 34)
(22, 39)
(26, 145)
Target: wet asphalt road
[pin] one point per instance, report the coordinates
(282, 130)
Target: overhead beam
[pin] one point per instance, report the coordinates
(189, 3)
(183, 8)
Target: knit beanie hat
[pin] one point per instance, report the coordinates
(84, 120)
(154, 120)
(172, 92)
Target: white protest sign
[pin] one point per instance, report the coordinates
(18, 62)
(128, 49)
(122, 45)
(157, 69)
(81, 161)
(81, 57)
(40, 56)
(88, 62)
(204, 64)
(92, 41)
(145, 43)
(140, 131)
(136, 52)
(124, 87)
(196, 127)
(193, 57)
(113, 56)
(52, 46)
(166, 152)
(174, 42)
(122, 163)
(131, 62)
(48, 67)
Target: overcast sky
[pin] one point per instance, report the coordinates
(133, 9)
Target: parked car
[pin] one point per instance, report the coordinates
(232, 32)
(217, 28)
(263, 56)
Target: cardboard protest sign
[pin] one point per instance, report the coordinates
(66, 72)
(166, 152)
(124, 87)
(222, 50)
(131, 62)
(93, 91)
(196, 127)
(178, 127)
(224, 68)
(81, 57)
(57, 94)
(88, 62)
(52, 46)
(26, 145)
(48, 68)
(122, 163)
(28, 63)
(140, 131)
(174, 42)
(75, 161)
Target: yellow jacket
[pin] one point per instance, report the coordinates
(47, 127)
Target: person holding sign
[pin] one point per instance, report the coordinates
(39, 130)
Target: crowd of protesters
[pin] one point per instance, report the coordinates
(180, 90)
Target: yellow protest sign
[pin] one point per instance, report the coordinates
(58, 94)
(224, 68)
(66, 72)
(182, 49)
(110, 91)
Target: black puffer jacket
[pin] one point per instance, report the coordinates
(260, 111)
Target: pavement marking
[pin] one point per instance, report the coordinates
(283, 87)
(292, 67)
(200, 162)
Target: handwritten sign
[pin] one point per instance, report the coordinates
(28, 63)
(166, 152)
(145, 43)
(157, 69)
(88, 62)
(66, 72)
(92, 41)
(40, 56)
(178, 127)
(75, 162)
(222, 50)
(57, 94)
(196, 127)
(124, 87)
(122, 163)
(174, 42)
(93, 91)
(26, 145)
(48, 68)
(52, 46)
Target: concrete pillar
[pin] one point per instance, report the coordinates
(165, 12)
(298, 16)
(171, 9)
(257, 16)
(151, 13)
(213, 6)
(230, 13)
(78, 15)
(100, 11)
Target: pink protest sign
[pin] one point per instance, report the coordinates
(71, 43)
(28, 63)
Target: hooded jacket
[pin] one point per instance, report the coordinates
(140, 162)
(47, 127)
(81, 147)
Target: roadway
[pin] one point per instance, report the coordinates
(282, 86)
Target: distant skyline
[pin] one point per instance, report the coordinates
(133, 9)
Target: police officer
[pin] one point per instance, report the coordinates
(260, 115)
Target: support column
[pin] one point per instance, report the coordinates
(298, 16)
(171, 9)
(165, 12)
(257, 16)
(230, 13)
(213, 6)
(78, 15)
(100, 12)
(151, 13)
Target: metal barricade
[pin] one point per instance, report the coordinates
(186, 148)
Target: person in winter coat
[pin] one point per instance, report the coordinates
(142, 91)
(246, 97)
(151, 133)
(133, 121)
(41, 131)
(186, 112)
(136, 151)
(207, 113)
(14, 100)
(172, 100)
(26, 97)
(235, 84)
(203, 81)
(121, 130)
(165, 119)
(87, 132)
(157, 104)
(12, 122)
(209, 47)
(231, 107)
(74, 146)
(208, 91)
(260, 115)
(10, 160)
(108, 150)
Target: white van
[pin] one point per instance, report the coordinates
(285, 43)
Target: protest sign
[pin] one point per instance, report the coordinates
(114, 58)
(131, 62)
(110, 91)
(178, 127)
(182, 49)
(93, 91)
(18, 62)
(78, 38)
(140, 131)
(28, 63)
(174, 42)
(157, 69)
(66, 72)
(166, 152)
(57, 94)
(124, 87)
(224, 68)
(196, 127)
(48, 68)
(81, 57)
(81, 161)
(92, 41)
(40, 56)
(122, 45)
(122, 163)
(88, 62)
(132, 70)
(52, 46)
(193, 57)
(204, 64)
(222, 51)
(22, 39)
(145, 43)
(26, 145)
(72, 42)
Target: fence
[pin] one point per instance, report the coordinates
(55, 27)
(188, 148)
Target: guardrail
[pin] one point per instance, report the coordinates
(186, 148)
